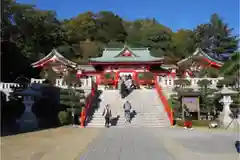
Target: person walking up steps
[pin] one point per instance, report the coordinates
(107, 113)
(127, 111)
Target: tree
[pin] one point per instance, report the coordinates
(71, 96)
(208, 72)
(90, 49)
(175, 102)
(184, 42)
(182, 83)
(110, 27)
(70, 102)
(231, 67)
(149, 33)
(216, 37)
(81, 28)
(10, 36)
(70, 78)
(39, 31)
(49, 74)
(207, 100)
(227, 81)
(29, 33)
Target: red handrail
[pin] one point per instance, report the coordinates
(164, 101)
(89, 100)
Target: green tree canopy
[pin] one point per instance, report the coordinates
(29, 33)
(231, 67)
(216, 36)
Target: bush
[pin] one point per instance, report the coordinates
(64, 117)
(197, 123)
(12, 110)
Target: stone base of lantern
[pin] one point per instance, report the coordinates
(226, 120)
(28, 122)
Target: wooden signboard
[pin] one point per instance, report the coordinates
(192, 103)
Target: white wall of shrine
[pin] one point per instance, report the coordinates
(169, 81)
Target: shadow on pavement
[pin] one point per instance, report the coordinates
(114, 120)
(237, 145)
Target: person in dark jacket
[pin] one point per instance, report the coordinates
(187, 118)
(124, 90)
(107, 113)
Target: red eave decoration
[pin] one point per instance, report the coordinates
(127, 53)
(212, 63)
(42, 64)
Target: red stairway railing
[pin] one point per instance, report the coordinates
(88, 105)
(164, 101)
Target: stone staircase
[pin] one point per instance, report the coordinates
(146, 103)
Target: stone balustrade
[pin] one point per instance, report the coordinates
(86, 83)
(7, 86)
(169, 81)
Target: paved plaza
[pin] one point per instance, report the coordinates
(68, 143)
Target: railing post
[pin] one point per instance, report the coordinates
(83, 117)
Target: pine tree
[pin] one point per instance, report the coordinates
(216, 37)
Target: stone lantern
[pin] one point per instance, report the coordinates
(226, 100)
(28, 120)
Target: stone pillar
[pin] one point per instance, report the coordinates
(224, 115)
(28, 120)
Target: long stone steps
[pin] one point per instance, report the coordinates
(148, 107)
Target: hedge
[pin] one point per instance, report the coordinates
(198, 123)
(64, 117)
(170, 102)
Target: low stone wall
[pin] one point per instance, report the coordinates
(86, 84)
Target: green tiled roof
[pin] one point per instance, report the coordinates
(210, 58)
(138, 55)
(199, 52)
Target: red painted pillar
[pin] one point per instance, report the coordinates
(135, 75)
(98, 79)
(116, 79)
(148, 67)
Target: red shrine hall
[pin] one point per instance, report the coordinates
(117, 62)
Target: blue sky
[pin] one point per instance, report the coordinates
(175, 14)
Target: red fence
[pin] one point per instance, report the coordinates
(164, 101)
(89, 101)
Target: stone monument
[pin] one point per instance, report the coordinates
(28, 120)
(226, 100)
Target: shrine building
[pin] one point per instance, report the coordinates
(116, 62)
(128, 61)
(200, 60)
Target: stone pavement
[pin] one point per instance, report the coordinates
(68, 143)
(162, 143)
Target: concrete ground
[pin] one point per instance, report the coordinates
(121, 144)
(65, 143)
